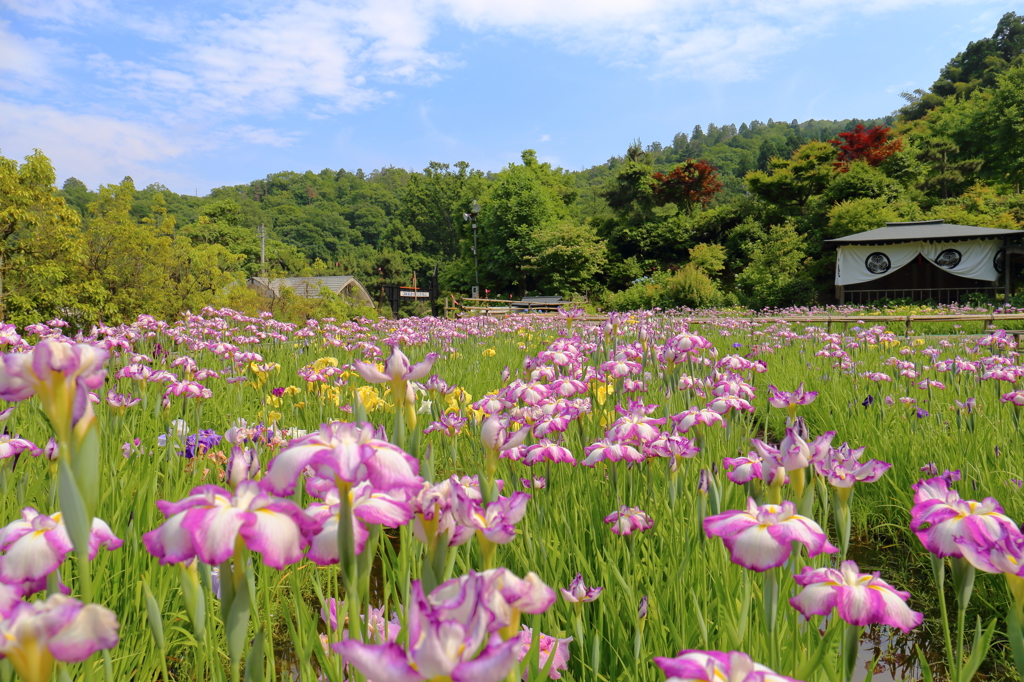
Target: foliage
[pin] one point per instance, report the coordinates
(524, 222)
(791, 182)
(776, 274)
(691, 184)
(689, 286)
(569, 256)
(708, 257)
(974, 69)
(859, 215)
(872, 145)
(40, 244)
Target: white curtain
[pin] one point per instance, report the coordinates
(971, 259)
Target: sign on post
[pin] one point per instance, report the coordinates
(414, 294)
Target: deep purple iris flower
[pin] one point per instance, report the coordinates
(200, 443)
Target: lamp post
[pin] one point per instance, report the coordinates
(474, 211)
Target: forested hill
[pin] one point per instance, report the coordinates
(385, 224)
(727, 213)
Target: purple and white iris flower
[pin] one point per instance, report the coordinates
(791, 399)
(716, 666)
(243, 465)
(745, 469)
(12, 446)
(497, 522)
(58, 373)
(761, 537)
(578, 592)
(398, 370)
(629, 520)
(367, 505)
(684, 421)
(35, 545)
(842, 467)
(347, 452)
(611, 451)
(504, 593)
(496, 434)
(945, 523)
(548, 646)
(861, 598)
(36, 634)
(449, 640)
(211, 521)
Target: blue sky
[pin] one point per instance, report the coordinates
(197, 95)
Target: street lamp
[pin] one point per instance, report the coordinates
(474, 211)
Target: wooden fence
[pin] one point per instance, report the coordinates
(494, 307)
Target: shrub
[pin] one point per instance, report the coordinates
(689, 286)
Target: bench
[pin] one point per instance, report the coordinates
(540, 303)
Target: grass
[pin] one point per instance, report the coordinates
(698, 599)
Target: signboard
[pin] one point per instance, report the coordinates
(414, 294)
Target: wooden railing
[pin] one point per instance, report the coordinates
(497, 307)
(940, 294)
(867, 320)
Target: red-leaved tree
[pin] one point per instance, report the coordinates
(873, 145)
(692, 183)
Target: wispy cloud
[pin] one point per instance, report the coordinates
(92, 147)
(688, 39)
(263, 136)
(27, 62)
(64, 11)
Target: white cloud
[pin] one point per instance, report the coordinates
(26, 62)
(91, 147)
(263, 136)
(690, 39)
(545, 138)
(324, 57)
(60, 10)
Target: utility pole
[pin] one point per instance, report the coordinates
(262, 232)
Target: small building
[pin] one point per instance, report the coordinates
(346, 286)
(921, 260)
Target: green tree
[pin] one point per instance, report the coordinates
(858, 215)
(975, 68)
(946, 175)
(523, 199)
(776, 273)
(434, 202)
(710, 258)
(789, 183)
(568, 258)
(990, 126)
(41, 247)
(128, 260)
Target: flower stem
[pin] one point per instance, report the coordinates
(939, 572)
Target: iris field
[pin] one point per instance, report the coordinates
(642, 498)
